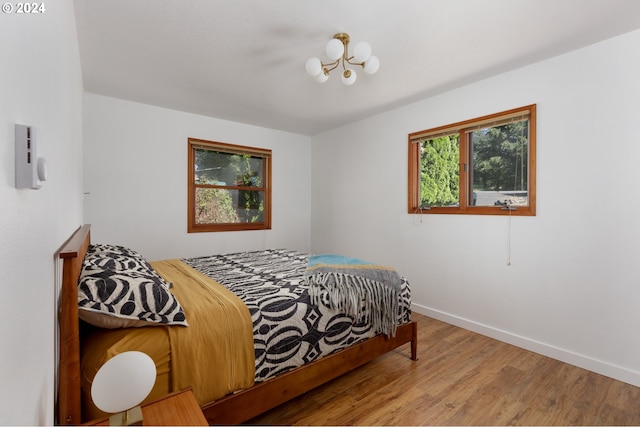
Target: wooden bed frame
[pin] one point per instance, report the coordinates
(232, 409)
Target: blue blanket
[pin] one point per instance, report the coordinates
(363, 290)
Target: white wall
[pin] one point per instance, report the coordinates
(572, 290)
(40, 86)
(135, 171)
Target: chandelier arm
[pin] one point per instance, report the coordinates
(355, 63)
(345, 56)
(333, 65)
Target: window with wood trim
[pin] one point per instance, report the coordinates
(483, 166)
(229, 187)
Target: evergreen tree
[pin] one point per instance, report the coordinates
(499, 159)
(440, 177)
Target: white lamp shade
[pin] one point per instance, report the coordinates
(322, 77)
(313, 67)
(123, 382)
(335, 49)
(349, 80)
(361, 52)
(372, 65)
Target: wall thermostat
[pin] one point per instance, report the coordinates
(31, 170)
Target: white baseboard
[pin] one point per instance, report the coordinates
(579, 360)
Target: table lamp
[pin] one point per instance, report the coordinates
(121, 384)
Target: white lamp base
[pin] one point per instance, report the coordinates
(132, 417)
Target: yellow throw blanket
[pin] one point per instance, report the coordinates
(214, 355)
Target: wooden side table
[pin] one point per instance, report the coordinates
(175, 409)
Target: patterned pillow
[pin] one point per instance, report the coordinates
(115, 249)
(119, 258)
(118, 288)
(113, 299)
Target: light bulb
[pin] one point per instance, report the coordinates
(335, 49)
(322, 77)
(123, 381)
(372, 65)
(313, 67)
(361, 52)
(349, 77)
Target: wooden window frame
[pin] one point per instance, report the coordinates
(464, 166)
(265, 154)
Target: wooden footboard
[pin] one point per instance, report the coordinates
(246, 404)
(233, 409)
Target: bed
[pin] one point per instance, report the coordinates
(252, 278)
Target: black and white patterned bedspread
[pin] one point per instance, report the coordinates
(288, 331)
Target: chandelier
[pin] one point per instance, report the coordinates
(338, 52)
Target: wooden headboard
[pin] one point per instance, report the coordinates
(72, 255)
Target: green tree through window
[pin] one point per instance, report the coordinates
(479, 166)
(229, 187)
(439, 176)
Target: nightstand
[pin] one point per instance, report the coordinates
(176, 409)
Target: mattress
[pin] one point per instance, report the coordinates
(288, 331)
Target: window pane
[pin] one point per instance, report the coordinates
(500, 158)
(221, 206)
(218, 168)
(439, 171)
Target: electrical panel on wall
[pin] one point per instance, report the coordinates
(31, 170)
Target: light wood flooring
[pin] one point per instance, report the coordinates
(463, 378)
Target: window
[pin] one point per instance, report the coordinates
(229, 187)
(484, 166)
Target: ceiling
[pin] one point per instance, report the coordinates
(244, 60)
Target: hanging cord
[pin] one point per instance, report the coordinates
(509, 240)
(506, 206)
(419, 210)
(507, 203)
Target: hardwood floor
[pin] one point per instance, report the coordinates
(463, 378)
